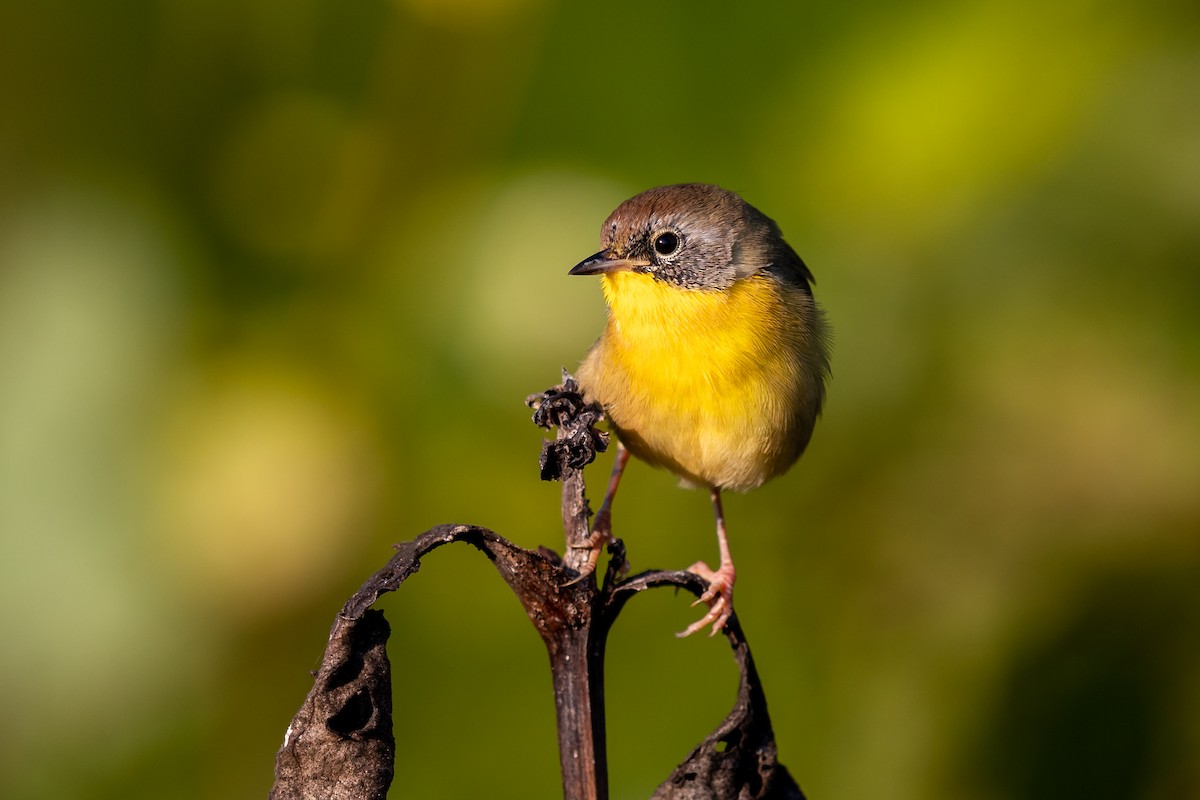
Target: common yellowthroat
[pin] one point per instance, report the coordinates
(714, 359)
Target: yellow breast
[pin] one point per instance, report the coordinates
(722, 387)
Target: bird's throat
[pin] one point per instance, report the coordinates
(656, 316)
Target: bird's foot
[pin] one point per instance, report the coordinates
(718, 596)
(594, 544)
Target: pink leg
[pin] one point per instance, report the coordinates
(719, 594)
(602, 524)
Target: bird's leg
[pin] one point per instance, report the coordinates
(719, 594)
(601, 533)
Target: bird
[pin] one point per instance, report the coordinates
(714, 357)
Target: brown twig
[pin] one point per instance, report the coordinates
(340, 743)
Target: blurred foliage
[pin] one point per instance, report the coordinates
(275, 278)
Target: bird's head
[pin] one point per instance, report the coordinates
(693, 236)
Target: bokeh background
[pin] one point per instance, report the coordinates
(275, 278)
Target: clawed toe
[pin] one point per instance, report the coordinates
(718, 596)
(594, 544)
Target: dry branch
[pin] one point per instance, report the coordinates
(340, 744)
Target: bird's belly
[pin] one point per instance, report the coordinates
(732, 429)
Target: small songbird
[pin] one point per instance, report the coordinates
(714, 358)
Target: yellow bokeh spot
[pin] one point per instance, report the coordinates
(265, 489)
(931, 119)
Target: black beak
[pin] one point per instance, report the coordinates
(605, 262)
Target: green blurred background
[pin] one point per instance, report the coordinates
(276, 276)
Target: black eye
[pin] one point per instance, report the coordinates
(666, 243)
